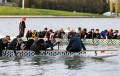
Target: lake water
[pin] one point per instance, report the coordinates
(60, 65)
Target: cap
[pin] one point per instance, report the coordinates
(24, 18)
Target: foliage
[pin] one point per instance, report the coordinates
(4, 10)
(91, 6)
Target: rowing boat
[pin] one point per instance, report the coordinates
(84, 53)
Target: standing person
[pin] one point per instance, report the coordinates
(22, 27)
(75, 43)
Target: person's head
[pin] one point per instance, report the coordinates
(5, 40)
(46, 29)
(97, 30)
(8, 37)
(92, 30)
(71, 33)
(52, 35)
(18, 38)
(23, 18)
(110, 30)
(51, 31)
(79, 28)
(116, 31)
(106, 30)
(84, 29)
(68, 28)
(61, 30)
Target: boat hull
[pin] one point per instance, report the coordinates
(85, 53)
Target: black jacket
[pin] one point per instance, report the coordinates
(2, 46)
(75, 44)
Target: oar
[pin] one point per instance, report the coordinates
(20, 50)
(58, 43)
(108, 40)
(5, 50)
(93, 38)
(15, 52)
(23, 48)
(58, 46)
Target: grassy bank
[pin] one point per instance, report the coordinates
(15, 11)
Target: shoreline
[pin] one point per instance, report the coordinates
(54, 16)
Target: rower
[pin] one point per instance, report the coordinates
(75, 43)
(3, 44)
(51, 43)
(16, 44)
(37, 46)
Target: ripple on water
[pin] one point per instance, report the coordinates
(61, 65)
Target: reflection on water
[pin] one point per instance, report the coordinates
(74, 62)
(42, 60)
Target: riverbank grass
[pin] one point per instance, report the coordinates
(16, 11)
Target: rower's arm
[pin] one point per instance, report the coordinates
(14, 49)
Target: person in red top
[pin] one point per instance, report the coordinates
(22, 27)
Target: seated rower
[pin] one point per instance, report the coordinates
(38, 45)
(16, 44)
(75, 43)
(3, 44)
(29, 42)
(50, 43)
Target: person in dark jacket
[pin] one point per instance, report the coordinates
(50, 43)
(16, 44)
(28, 44)
(3, 44)
(75, 43)
(22, 27)
(38, 45)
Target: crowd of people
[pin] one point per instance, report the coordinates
(34, 44)
(81, 33)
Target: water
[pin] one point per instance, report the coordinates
(60, 65)
(9, 26)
